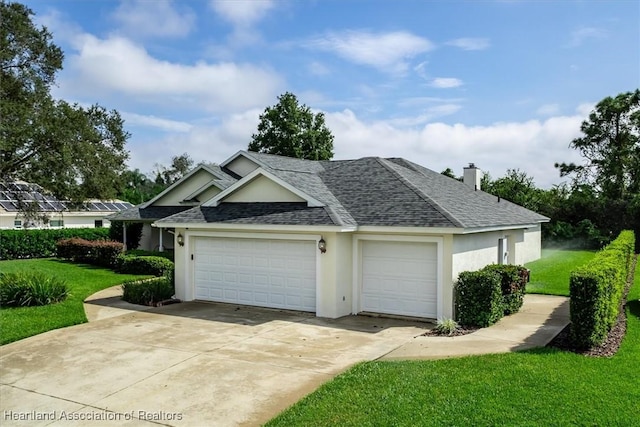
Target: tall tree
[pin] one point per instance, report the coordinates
(292, 130)
(517, 187)
(74, 152)
(610, 146)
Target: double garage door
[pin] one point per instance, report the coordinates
(262, 272)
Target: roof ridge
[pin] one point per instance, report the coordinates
(419, 192)
(333, 215)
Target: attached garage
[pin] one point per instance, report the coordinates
(262, 272)
(399, 278)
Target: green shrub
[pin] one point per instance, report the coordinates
(21, 244)
(513, 283)
(596, 291)
(478, 298)
(29, 289)
(157, 266)
(148, 292)
(134, 233)
(167, 253)
(102, 253)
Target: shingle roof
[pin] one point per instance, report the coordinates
(367, 192)
(152, 213)
(259, 213)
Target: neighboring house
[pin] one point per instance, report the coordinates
(52, 213)
(196, 187)
(343, 237)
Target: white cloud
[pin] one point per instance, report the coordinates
(118, 66)
(445, 82)
(243, 13)
(533, 146)
(579, 36)
(548, 110)
(154, 19)
(467, 43)
(385, 51)
(155, 122)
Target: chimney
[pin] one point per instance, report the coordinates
(472, 176)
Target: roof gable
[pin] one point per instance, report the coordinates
(261, 186)
(197, 181)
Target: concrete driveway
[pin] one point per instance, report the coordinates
(189, 364)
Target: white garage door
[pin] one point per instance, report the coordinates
(399, 278)
(263, 272)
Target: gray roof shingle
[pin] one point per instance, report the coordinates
(368, 192)
(152, 213)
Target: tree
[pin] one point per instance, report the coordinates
(138, 188)
(610, 147)
(74, 152)
(292, 130)
(517, 187)
(180, 166)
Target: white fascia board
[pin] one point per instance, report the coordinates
(175, 184)
(499, 228)
(255, 227)
(410, 230)
(201, 189)
(218, 198)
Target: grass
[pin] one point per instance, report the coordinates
(82, 281)
(550, 274)
(537, 387)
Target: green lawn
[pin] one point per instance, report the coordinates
(83, 280)
(550, 274)
(537, 387)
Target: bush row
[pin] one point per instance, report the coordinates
(29, 289)
(148, 292)
(483, 297)
(102, 253)
(596, 291)
(19, 244)
(155, 265)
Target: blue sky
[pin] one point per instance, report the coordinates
(504, 84)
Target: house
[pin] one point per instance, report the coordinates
(196, 187)
(372, 235)
(51, 212)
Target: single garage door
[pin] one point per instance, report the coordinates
(263, 272)
(399, 278)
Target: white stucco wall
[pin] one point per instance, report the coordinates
(184, 189)
(71, 220)
(530, 249)
(262, 189)
(471, 252)
(242, 166)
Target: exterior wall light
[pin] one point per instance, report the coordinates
(180, 239)
(322, 245)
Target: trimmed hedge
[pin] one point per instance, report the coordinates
(102, 253)
(167, 253)
(148, 292)
(154, 265)
(513, 282)
(478, 298)
(20, 244)
(596, 291)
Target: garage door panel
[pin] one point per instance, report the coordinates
(264, 272)
(399, 278)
